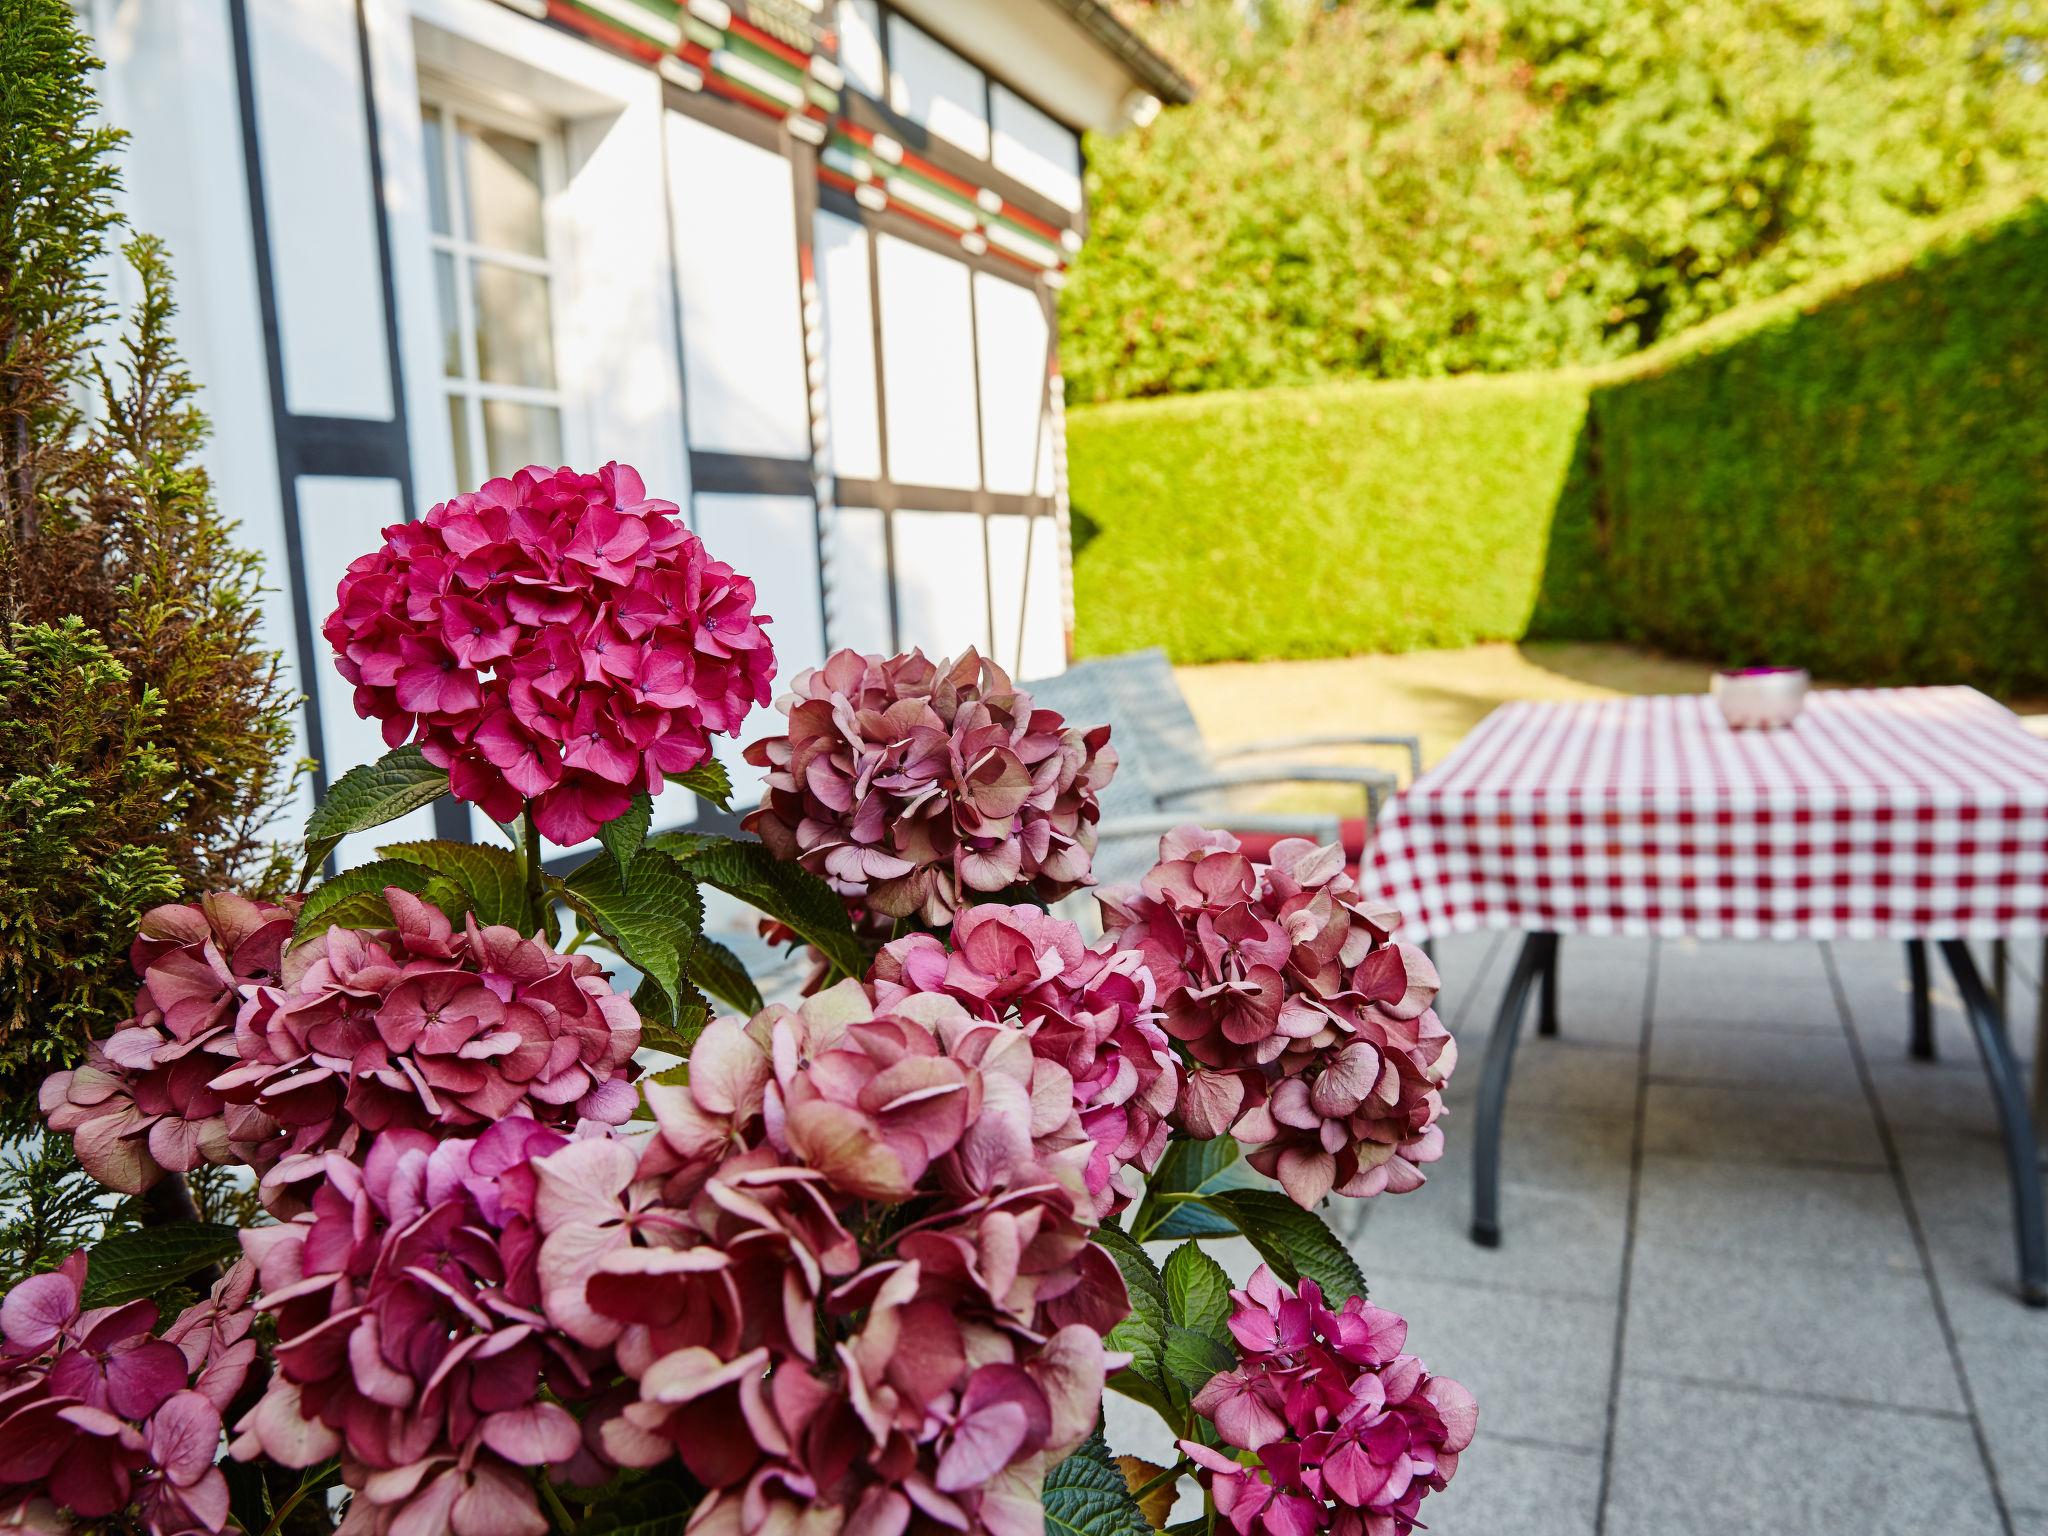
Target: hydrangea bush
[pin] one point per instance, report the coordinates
(540, 1258)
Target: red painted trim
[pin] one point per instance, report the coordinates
(604, 32)
(773, 44)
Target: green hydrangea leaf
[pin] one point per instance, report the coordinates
(145, 1261)
(355, 897)
(1294, 1242)
(492, 880)
(623, 835)
(718, 971)
(399, 782)
(708, 781)
(1197, 1292)
(1086, 1495)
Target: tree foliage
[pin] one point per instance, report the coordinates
(1385, 190)
(144, 751)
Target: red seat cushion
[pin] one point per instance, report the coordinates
(1352, 831)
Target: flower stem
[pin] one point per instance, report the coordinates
(1168, 1474)
(564, 1522)
(536, 891)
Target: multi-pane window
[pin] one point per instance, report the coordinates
(488, 184)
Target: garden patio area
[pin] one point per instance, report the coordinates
(1757, 1266)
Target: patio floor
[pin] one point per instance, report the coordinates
(1758, 1271)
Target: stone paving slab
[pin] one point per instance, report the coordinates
(1834, 1330)
(1519, 1490)
(1811, 1214)
(1696, 1460)
(1538, 1363)
(1741, 1125)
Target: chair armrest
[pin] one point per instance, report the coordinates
(1410, 744)
(1375, 779)
(1324, 829)
(1377, 783)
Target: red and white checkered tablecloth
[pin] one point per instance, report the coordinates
(1880, 813)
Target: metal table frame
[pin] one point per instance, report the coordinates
(1536, 968)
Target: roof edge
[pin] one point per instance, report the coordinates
(1158, 76)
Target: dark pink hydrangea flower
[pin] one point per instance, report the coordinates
(419, 1027)
(410, 1340)
(850, 1271)
(1310, 1028)
(556, 638)
(1089, 1011)
(142, 1102)
(1349, 1434)
(914, 785)
(100, 1416)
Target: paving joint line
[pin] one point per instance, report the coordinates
(1913, 1223)
(1628, 1243)
(1829, 1399)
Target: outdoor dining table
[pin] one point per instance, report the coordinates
(1913, 814)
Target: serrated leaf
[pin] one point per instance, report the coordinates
(399, 782)
(651, 921)
(1197, 1292)
(670, 1027)
(707, 781)
(143, 1262)
(493, 881)
(1192, 1357)
(1085, 1495)
(1191, 1167)
(355, 897)
(1293, 1241)
(789, 893)
(1142, 1335)
(718, 971)
(623, 835)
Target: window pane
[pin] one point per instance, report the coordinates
(436, 152)
(451, 314)
(513, 328)
(458, 434)
(518, 435)
(927, 370)
(1036, 150)
(503, 185)
(937, 89)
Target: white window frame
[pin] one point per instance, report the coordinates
(451, 98)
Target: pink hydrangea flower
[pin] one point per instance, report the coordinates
(849, 1271)
(1088, 1010)
(913, 785)
(1310, 1028)
(410, 1340)
(418, 1027)
(143, 1101)
(1349, 1434)
(101, 1417)
(558, 639)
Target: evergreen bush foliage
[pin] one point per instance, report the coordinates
(144, 747)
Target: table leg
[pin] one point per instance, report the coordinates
(2030, 1221)
(1539, 953)
(1546, 996)
(2041, 1050)
(1921, 1047)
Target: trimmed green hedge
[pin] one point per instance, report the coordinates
(1851, 476)
(1857, 483)
(1322, 521)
